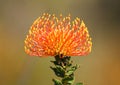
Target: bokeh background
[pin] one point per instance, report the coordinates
(102, 17)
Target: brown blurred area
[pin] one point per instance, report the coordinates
(102, 17)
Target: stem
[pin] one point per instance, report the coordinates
(63, 69)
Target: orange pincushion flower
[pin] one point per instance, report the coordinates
(50, 36)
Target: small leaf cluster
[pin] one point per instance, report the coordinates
(63, 68)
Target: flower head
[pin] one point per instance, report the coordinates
(50, 36)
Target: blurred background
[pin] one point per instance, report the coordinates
(102, 17)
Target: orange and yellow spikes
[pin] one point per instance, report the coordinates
(50, 36)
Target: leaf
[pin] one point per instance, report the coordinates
(57, 82)
(59, 71)
(75, 67)
(79, 84)
(70, 72)
(68, 80)
(55, 62)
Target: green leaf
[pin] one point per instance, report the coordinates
(70, 72)
(57, 82)
(79, 84)
(59, 71)
(75, 67)
(68, 80)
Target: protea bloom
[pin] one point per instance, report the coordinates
(51, 36)
(58, 37)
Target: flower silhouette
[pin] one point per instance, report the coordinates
(50, 36)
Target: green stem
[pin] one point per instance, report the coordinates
(63, 68)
